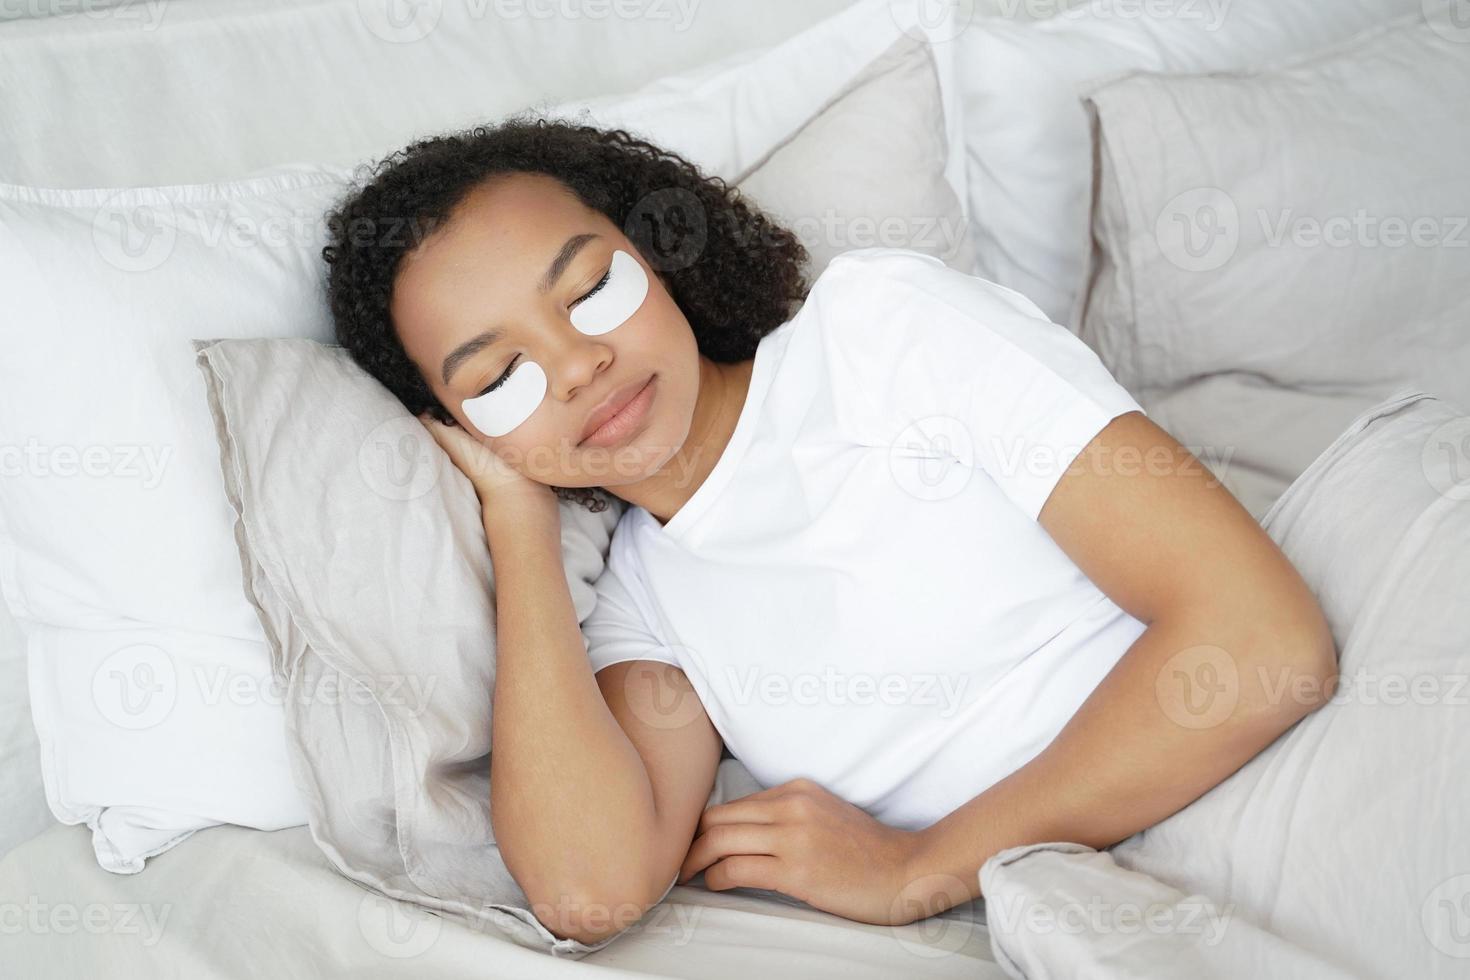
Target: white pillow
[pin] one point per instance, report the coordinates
(151, 693)
(722, 117)
(1026, 133)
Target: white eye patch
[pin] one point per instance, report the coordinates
(617, 300)
(497, 412)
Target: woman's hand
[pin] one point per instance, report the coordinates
(491, 476)
(804, 841)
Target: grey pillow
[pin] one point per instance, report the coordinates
(1264, 269)
(364, 554)
(869, 170)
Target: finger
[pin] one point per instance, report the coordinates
(747, 871)
(747, 809)
(736, 810)
(724, 841)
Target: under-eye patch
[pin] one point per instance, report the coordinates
(497, 412)
(617, 300)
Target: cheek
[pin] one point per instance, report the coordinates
(612, 305)
(497, 412)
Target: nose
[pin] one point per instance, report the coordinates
(576, 360)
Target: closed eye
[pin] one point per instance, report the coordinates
(511, 366)
(595, 289)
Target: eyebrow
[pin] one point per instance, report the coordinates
(479, 342)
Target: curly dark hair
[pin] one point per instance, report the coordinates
(734, 272)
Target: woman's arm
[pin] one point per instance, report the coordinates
(1236, 651)
(596, 781)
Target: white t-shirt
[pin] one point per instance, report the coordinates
(860, 592)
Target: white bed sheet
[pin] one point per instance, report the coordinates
(232, 903)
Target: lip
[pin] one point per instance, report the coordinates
(618, 414)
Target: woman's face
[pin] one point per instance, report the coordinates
(511, 281)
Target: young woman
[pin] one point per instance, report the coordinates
(897, 541)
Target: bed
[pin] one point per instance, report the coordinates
(1330, 463)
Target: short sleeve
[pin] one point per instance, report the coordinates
(923, 355)
(616, 630)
